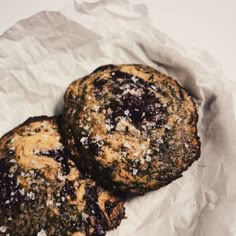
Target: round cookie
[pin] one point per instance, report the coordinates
(43, 193)
(131, 126)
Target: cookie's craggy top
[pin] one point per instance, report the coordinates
(43, 192)
(135, 127)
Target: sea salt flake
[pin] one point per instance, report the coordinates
(22, 191)
(108, 127)
(186, 145)
(36, 151)
(143, 146)
(44, 124)
(86, 127)
(135, 171)
(31, 195)
(49, 202)
(134, 79)
(84, 216)
(126, 112)
(127, 145)
(3, 229)
(154, 87)
(159, 140)
(84, 140)
(148, 158)
(142, 160)
(98, 138)
(167, 127)
(136, 154)
(42, 232)
(12, 148)
(96, 108)
(149, 151)
(61, 177)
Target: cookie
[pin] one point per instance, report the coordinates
(131, 127)
(43, 193)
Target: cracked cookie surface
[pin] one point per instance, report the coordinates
(135, 128)
(43, 192)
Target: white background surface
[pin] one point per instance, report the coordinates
(204, 24)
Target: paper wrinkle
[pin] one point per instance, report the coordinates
(40, 56)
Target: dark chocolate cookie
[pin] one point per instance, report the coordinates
(131, 127)
(43, 193)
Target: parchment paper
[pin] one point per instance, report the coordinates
(41, 55)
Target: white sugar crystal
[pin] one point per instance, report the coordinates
(42, 232)
(135, 171)
(3, 229)
(7, 201)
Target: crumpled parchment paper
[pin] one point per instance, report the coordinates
(41, 55)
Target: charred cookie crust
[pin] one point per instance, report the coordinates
(135, 128)
(43, 191)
